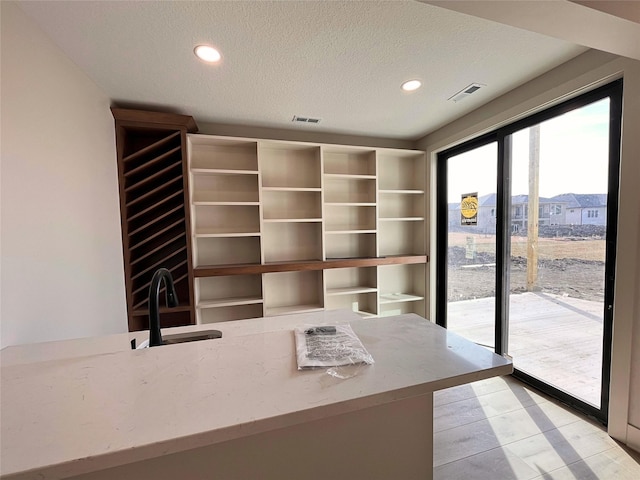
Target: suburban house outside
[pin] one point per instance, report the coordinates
(584, 209)
(565, 209)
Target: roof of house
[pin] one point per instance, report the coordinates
(582, 200)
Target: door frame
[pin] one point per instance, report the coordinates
(614, 92)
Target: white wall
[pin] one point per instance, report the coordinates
(574, 77)
(300, 135)
(61, 268)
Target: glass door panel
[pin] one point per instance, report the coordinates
(558, 225)
(471, 239)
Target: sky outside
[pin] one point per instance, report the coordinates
(573, 158)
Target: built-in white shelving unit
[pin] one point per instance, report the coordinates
(292, 292)
(350, 184)
(402, 289)
(287, 227)
(352, 288)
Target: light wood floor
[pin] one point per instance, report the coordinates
(500, 429)
(557, 339)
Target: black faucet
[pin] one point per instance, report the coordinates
(155, 337)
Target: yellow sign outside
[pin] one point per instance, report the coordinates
(469, 209)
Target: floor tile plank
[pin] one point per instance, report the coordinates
(502, 429)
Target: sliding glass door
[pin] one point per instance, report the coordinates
(530, 272)
(558, 217)
(471, 241)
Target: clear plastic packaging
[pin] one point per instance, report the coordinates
(332, 346)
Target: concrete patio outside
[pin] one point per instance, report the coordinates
(557, 339)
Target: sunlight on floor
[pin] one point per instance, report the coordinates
(502, 429)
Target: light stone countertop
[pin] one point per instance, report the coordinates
(76, 414)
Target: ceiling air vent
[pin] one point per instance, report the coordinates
(298, 119)
(466, 91)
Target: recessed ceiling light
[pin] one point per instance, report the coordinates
(411, 85)
(207, 54)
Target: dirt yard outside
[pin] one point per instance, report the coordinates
(567, 266)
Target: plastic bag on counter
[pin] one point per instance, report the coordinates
(330, 346)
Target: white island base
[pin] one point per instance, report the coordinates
(237, 407)
(390, 441)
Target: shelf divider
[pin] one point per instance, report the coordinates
(151, 147)
(152, 162)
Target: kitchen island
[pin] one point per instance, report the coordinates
(235, 407)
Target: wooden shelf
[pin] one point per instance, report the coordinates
(387, 298)
(298, 205)
(155, 120)
(179, 308)
(401, 192)
(150, 148)
(226, 189)
(209, 152)
(156, 220)
(349, 204)
(229, 302)
(291, 309)
(350, 290)
(347, 231)
(350, 176)
(147, 239)
(212, 316)
(364, 314)
(158, 263)
(349, 160)
(154, 209)
(218, 203)
(292, 220)
(291, 241)
(218, 232)
(401, 170)
(134, 200)
(160, 246)
(289, 165)
(253, 268)
(177, 195)
(148, 166)
(236, 198)
(401, 219)
(151, 178)
(220, 171)
(291, 189)
(229, 249)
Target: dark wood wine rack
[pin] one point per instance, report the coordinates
(154, 210)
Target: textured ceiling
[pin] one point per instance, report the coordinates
(342, 61)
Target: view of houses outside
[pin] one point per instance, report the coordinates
(571, 202)
(568, 209)
(570, 248)
(556, 269)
